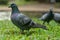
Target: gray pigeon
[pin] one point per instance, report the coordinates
(22, 21)
(47, 17)
(57, 17)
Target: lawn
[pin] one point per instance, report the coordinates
(23, 2)
(8, 31)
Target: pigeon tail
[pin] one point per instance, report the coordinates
(34, 25)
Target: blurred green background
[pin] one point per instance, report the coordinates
(22, 2)
(25, 2)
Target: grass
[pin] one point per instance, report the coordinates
(8, 31)
(23, 2)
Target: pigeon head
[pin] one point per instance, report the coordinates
(12, 5)
(51, 10)
(14, 8)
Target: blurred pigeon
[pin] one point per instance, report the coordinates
(22, 21)
(47, 17)
(57, 17)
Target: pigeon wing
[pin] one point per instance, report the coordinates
(23, 19)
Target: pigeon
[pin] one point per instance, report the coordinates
(47, 17)
(22, 21)
(57, 17)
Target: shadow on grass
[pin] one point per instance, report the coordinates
(19, 33)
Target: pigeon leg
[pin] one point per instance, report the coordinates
(48, 23)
